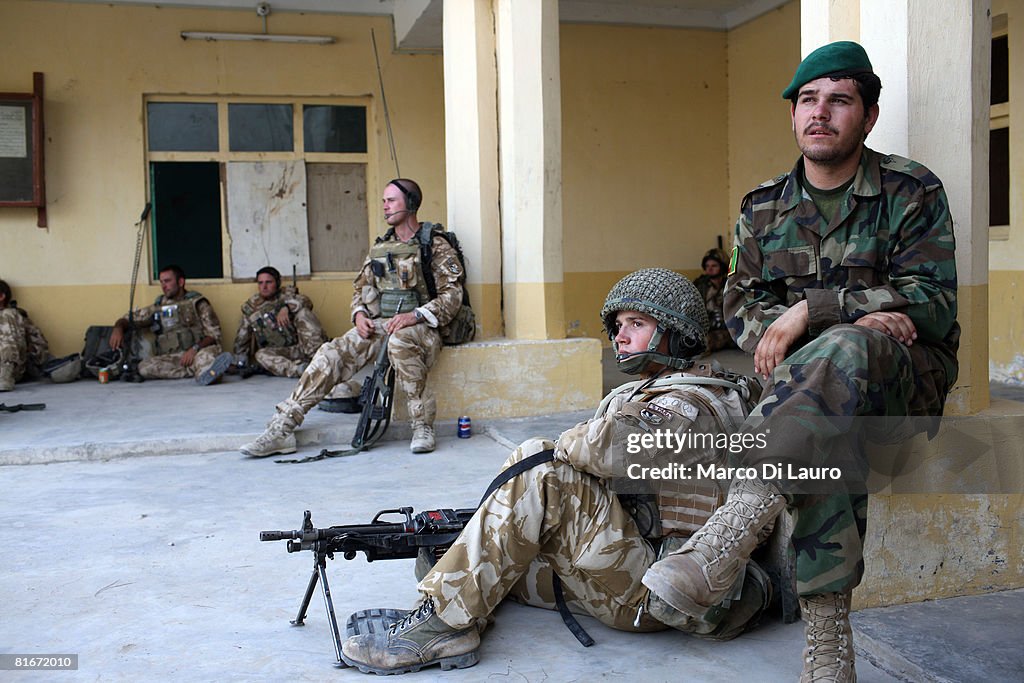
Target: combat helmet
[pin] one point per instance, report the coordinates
(674, 302)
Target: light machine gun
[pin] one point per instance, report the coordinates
(432, 530)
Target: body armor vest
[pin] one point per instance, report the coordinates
(398, 270)
(177, 325)
(262, 320)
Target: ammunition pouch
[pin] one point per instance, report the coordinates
(395, 301)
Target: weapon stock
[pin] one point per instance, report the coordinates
(434, 530)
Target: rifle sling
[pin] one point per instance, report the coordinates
(515, 470)
(18, 407)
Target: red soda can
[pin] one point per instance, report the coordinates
(465, 427)
(104, 375)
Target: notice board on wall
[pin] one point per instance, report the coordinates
(21, 149)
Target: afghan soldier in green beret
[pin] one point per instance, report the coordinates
(842, 284)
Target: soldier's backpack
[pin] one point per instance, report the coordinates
(96, 349)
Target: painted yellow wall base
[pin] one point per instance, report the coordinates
(970, 394)
(510, 378)
(926, 547)
(65, 312)
(1006, 316)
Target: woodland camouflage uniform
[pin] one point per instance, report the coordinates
(889, 247)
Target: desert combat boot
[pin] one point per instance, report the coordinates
(279, 438)
(422, 438)
(696, 577)
(829, 653)
(420, 639)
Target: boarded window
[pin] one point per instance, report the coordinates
(338, 231)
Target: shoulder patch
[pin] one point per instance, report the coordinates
(732, 260)
(920, 172)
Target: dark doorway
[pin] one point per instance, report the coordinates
(187, 217)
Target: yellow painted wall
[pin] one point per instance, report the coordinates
(100, 61)
(762, 57)
(644, 143)
(704, 125)
(1006, 257)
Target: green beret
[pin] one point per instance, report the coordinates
(844, 58)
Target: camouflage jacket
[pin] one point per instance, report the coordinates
(208, 323)
(255, 306)
(448, 275)
(599, 445)
(890, 247)
(713, 295)
(37, 349)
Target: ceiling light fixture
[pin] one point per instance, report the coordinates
(263, 11)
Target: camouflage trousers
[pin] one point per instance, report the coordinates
(549, 518)
(282, 361)
(848, 371)
(13, 341)
(168, 366)
(412, 350)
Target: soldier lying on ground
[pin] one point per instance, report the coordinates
(562, 518)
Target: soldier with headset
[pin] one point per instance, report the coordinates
(395, 296)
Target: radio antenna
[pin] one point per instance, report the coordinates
(384, 102)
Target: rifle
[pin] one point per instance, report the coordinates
(18, 407)
(432, 530)
(375, 397)
(130, 361)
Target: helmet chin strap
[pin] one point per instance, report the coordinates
(638, 362)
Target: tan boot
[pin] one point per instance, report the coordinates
(418, 640)
(422, 438)
(279, 438)
(829, 653)
(696, 577)
(6, 376)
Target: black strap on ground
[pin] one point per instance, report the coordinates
(327, 453)
(515, 470)
(18, 407)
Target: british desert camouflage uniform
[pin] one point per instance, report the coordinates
(412, 350)
(890, 247)
(712, 293)
(22, 345)
(185, 321)
(280, 350)
(562, 516)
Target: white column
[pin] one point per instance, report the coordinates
(471, 151)
(933, 60)
(529, 114)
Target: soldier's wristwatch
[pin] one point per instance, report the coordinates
(418, 314)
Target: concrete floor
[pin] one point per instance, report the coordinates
(130, 527)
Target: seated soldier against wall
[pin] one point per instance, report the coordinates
(23, 348)
(187, 333)
(278, 331)
(561, 521)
